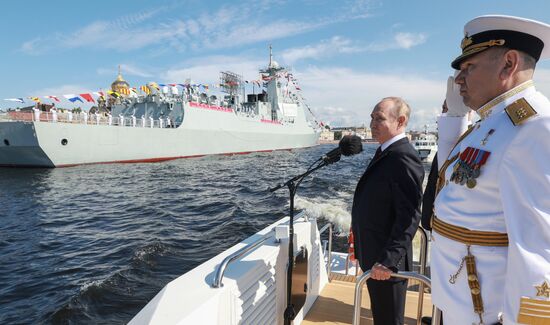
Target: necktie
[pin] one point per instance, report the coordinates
(376, 155)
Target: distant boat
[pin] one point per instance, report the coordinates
(426, 145)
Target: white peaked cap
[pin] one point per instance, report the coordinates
(523, 34)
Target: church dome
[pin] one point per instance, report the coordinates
(119, 84)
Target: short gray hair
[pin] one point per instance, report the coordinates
(527, 61)
(400, 107)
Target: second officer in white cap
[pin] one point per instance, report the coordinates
(491, 250)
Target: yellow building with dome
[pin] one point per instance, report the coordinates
(120, 85)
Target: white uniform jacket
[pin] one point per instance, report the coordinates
(512, 196)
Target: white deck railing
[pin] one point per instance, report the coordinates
(83, 118)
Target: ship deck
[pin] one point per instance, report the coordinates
(335, 304)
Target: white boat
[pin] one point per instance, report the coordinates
(246, 284)
(165, 124)
(426, 145)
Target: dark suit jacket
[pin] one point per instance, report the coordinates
(429, 197)
(386, 208)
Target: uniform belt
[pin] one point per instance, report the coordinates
(467, 236)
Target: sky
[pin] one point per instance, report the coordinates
(346, 55)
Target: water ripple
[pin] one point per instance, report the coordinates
(93, 244)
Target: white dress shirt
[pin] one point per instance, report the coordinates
(386, 144)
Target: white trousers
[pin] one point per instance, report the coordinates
(455, 300)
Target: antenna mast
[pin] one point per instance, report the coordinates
(270, 55)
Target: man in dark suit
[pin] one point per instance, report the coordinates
(386, 211)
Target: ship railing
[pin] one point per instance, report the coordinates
(422, 267)
(360, 282)
(83, 118)
(327, 244)
(220, 270)
(18, 116)
(422, 261)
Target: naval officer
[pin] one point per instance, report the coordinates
(491, 230)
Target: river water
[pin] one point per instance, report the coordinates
(93, 244)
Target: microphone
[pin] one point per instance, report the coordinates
(349, 145)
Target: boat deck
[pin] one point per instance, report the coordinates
(335, 304)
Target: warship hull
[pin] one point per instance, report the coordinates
(202, 132)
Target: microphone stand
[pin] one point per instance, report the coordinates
(292, 185)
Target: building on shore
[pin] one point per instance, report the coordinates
(326, 136)
(415, 135)
(362, 131)
(336, 133)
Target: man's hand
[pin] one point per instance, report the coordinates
(454, 101)
(380, 272)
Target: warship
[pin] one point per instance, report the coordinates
(165, 122)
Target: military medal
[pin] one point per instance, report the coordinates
(484, 141)
(468, 166)
(469, 179)
(456, 176)
(480, 161)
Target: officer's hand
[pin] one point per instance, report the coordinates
(453, 99)
(380, 272)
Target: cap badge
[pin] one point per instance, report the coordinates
(465, 42)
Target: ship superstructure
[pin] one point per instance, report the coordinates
(426, 145)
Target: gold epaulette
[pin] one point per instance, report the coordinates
(520, 111)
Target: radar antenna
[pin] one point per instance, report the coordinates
(230, 82)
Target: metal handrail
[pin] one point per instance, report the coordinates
(423, 249)
(329, 259)
(436, 315)
(218, 277)
(347, 266)
(422, 261)
(78, 118)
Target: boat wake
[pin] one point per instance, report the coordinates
(333, 210)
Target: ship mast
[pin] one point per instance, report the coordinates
(270, 55)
